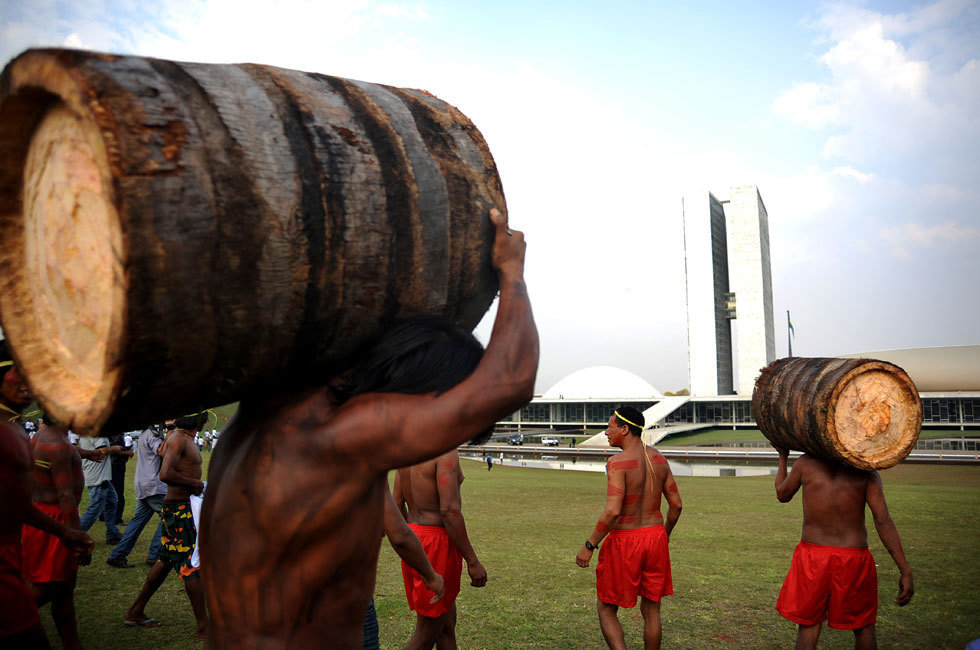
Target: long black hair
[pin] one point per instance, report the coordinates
(424, 354)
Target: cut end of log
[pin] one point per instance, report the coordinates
(877, 416)
(167, 245)
(863, 412)
(70, 288)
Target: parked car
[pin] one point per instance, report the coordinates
(516, 439)
(549, 441)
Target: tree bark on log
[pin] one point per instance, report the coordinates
(177, 235)
(863, 412)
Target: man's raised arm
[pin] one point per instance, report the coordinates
(403, 430)
(786, 486)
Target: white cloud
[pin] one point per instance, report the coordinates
(885, 104)
(849, 172)
(389, 10)
(866, 60)
(909, 236)
(809, 104)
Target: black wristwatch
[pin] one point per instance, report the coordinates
(589, 545)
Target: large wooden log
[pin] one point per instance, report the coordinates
(177, 235)
(863, 412)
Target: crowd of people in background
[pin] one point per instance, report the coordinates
(44, 469)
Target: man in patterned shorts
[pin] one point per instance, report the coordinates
(181, 471)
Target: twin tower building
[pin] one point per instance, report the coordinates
(730, 329)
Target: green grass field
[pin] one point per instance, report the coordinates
(730, 553)
(712, 435)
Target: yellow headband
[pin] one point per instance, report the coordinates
(210, 412)
(6, 363)
(616, 413)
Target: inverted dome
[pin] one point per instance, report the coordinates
(938, 369)
(602, 382)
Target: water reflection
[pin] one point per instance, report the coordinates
(598, 464)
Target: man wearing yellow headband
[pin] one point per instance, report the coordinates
(14, 393)
(635, 560)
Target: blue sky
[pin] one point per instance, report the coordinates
(859, 122)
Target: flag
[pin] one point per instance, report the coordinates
(790, 323)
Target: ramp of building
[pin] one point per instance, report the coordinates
(653, 415)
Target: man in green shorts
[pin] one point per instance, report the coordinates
(181, 471)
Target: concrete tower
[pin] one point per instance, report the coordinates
(726, 257)
(709, 334)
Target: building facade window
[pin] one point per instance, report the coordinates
(942, 411)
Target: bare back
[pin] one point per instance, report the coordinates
(421, 487)
(290, 531)
(642, 481)
(56, 466)
(834, 497)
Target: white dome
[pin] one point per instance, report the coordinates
(602, 382)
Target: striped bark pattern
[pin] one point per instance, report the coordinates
(212, 230)
(863, 412)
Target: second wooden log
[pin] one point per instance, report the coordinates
(863, 412)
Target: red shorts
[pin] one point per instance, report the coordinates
(18, 612)
(446, 561)
(46, 558)
(832, 583)
(634, 562)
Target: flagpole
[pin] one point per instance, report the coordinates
(789, 340)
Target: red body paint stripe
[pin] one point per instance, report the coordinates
(624, 464)
(632, 498)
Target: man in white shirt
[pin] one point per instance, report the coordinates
(101, 494)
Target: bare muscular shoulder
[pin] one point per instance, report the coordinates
(283, 486)
(56, 462)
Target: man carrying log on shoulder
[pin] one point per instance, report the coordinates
(635, 560)
(832, 575)
(293, 514)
